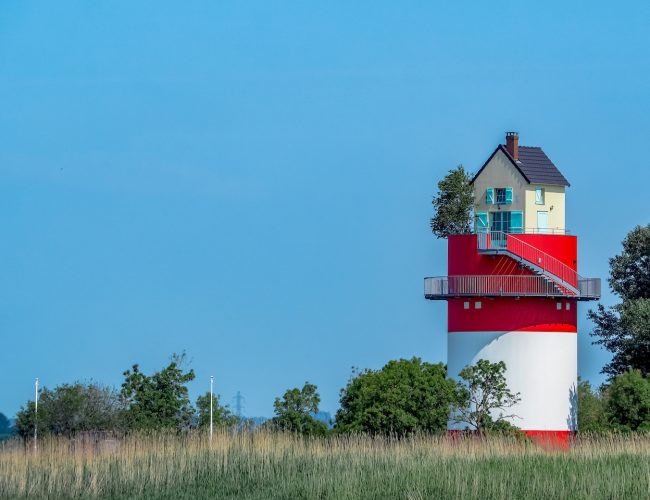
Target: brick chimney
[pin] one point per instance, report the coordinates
(512, 144)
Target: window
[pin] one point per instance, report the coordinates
(503, 196)
(465, 305)
(568, 306)
(539, 196)
(559, 306)
(501, 221)
(516, 222)
(477, 305)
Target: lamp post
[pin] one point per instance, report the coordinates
(211, 384)
(36, 415)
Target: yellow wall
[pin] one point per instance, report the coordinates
(500, 173)
(553, 204)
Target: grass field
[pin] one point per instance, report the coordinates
(259, 465)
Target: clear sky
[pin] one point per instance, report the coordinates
(251, 181)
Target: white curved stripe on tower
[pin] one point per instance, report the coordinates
(541, 366)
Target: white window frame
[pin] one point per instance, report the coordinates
(540, 196)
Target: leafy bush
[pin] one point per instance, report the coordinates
(403, 397)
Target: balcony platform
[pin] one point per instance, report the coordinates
(447, 287)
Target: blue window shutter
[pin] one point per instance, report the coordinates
(489, 196)
(508, 196)
(481, 222)
(517, 222)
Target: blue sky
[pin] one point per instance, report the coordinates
(251, 181)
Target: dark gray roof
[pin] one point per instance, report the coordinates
(538, 168)
(533, 164)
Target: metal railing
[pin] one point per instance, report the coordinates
(443, 287)
(531, 230)
(515, 285)
(498, 240)
(589, 287)
(545, 230)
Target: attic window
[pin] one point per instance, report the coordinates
(539, 196)
(503, 196)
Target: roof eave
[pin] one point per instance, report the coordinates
(564, 184)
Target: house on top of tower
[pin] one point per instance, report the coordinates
(519, 190)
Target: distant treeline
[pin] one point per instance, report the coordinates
(404, 397)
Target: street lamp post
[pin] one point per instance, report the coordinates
(211, 384)
(36, 415)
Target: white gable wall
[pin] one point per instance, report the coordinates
(500, 173)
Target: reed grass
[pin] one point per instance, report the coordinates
(267, 465)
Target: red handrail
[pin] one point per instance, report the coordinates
(541, 259)
(498, 240)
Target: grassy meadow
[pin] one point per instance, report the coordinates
(263, 465)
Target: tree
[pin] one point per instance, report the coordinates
(159, 401)
(294, 412)
(221, 415)
(628, 402)
(624, 329)
(591, 409)
(630, 271)
(69, 409)
(453, 204)
(5, 426)
(484, 396)
(404, 397)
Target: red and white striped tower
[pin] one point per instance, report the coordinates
(513, 288)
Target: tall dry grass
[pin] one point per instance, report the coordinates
(267, 465)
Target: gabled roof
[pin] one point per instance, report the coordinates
(533, 165)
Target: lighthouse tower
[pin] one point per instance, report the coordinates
(513, 288)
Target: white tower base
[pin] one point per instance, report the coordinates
(541, 366)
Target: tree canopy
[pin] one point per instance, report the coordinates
(484, 400)
(628, 402)
(295, 411)
(221, 415)
(6, 429)
(453, 204)
(158, 401)
(624, 329)
(69, 409)
(591, 409)
(403, 397)
(630, 271)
